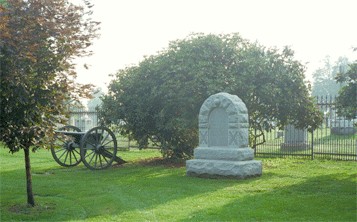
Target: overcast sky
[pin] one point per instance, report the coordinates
(131, 29)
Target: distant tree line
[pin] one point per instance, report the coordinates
(338, 80)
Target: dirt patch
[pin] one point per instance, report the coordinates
(158, 161)
(27, 209)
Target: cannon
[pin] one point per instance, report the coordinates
(96, 148)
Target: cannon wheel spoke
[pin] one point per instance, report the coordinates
(62, 149)
(98, 148)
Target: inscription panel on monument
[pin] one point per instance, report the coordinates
(218, 128)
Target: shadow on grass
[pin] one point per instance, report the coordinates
(321, 198)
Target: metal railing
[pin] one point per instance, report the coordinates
(335, 139)
(83, 119)
(87, 119)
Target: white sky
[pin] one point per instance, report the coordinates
(131, 29)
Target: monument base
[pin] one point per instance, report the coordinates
(223, 168)
(343, 130)
(293, 146)
(224, 153)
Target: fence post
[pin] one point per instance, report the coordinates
(312, 144)
(255, 142)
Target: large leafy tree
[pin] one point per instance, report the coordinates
(162, 95)
(38, 41)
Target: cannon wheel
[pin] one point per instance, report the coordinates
(98, 148)
(64, 149)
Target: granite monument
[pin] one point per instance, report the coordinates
(223, 149)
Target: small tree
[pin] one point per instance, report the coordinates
(162, 96)
(38, 41)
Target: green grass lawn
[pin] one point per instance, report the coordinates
(288, 190)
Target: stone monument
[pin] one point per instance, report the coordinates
(223, 149)
(294, 139)
(342, 126)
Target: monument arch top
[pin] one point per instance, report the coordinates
(223, 121)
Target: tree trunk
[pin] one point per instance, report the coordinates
(30, 198)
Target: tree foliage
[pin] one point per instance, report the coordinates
(324, 78)
(162, 95)
(346, 101)
(38, 41)
(95, 101)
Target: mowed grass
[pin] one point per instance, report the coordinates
(288, 190)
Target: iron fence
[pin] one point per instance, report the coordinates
(87, 119)
(335, 139)
(83, 119)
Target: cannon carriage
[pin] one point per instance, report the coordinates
(96, 148)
